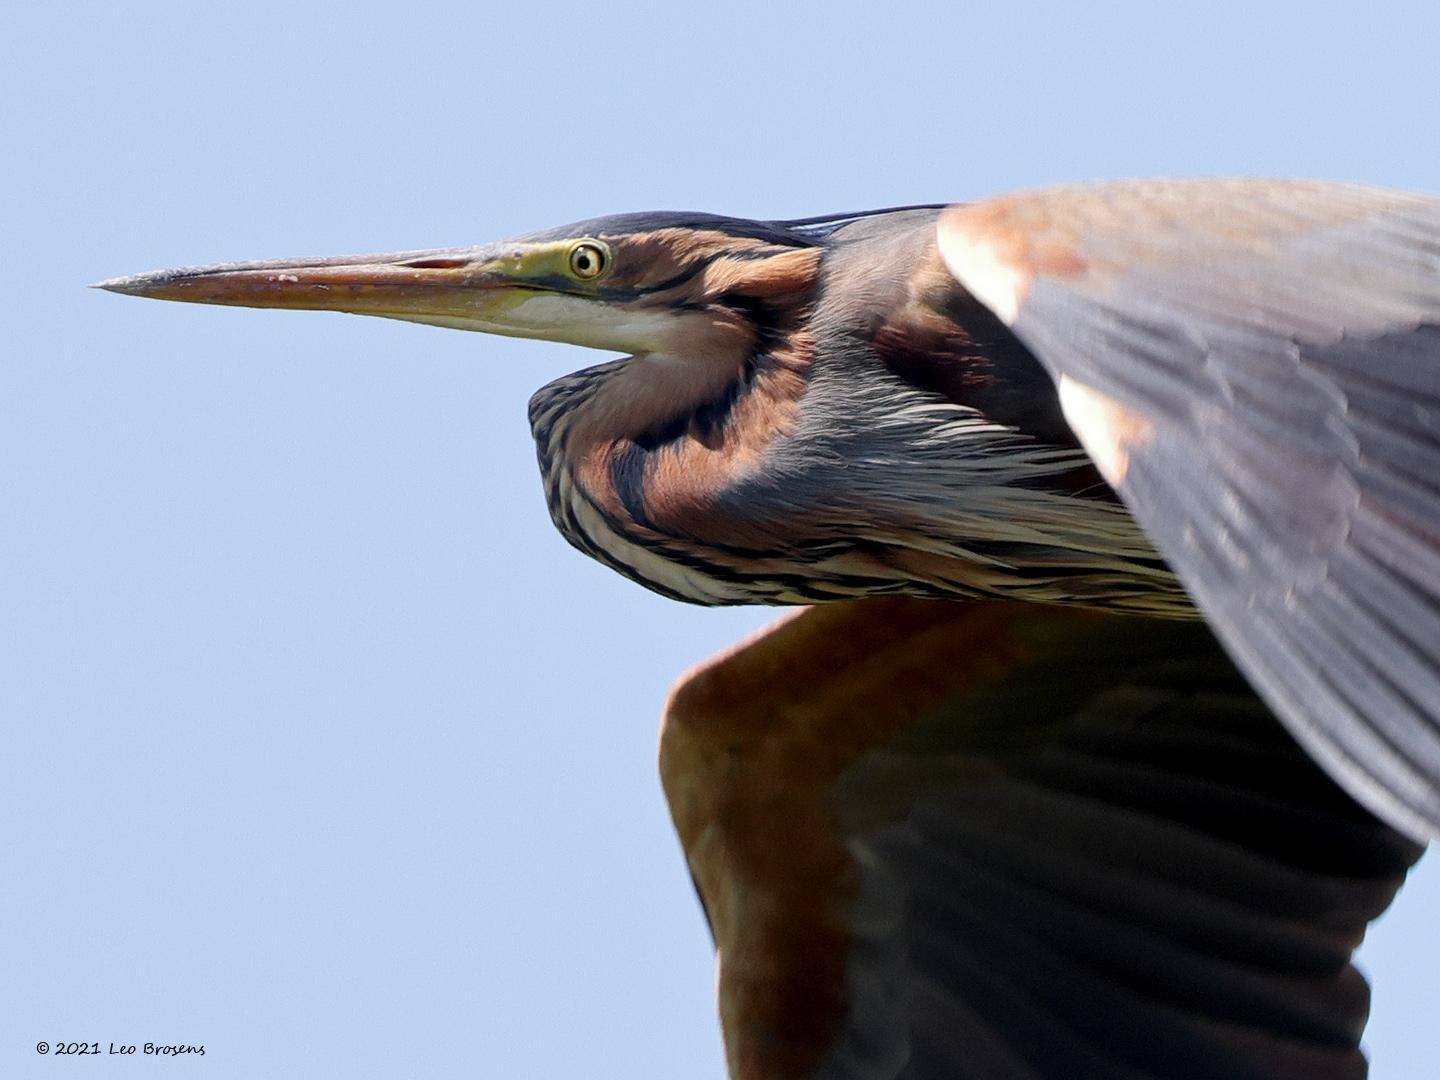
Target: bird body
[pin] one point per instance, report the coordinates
(953, 839)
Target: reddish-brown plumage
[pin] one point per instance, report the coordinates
(705, 455)
(684, 478)
(752, 744)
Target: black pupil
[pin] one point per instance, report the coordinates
(582, 260)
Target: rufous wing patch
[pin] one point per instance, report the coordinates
(1108, 430)
(750, 753)
(997, 249)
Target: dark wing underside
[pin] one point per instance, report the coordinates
(1014, 842)
(1256, 367)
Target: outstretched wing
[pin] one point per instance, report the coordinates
(1255, 367)
(998, 841)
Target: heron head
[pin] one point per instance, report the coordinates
(633, 283)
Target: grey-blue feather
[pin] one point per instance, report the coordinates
(1266, 359)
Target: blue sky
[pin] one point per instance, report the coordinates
(322, 748)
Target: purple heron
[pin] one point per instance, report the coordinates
(996, 804)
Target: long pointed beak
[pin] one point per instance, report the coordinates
(514, 287)
(454, 286)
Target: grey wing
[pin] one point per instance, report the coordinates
(1002, 841)
(1255, 367)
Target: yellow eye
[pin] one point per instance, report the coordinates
(587, 261)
